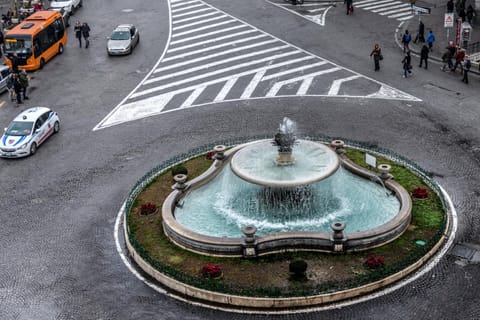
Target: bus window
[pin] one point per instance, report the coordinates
(18, 44)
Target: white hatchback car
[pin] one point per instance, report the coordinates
(69, 5)
(27, 131)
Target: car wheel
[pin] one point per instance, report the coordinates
(33, 149)
(42, 63)
(60, 49)
(56, 127)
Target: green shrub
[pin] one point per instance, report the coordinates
(179, 170)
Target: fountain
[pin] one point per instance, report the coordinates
(285, 194)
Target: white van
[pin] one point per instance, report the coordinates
(4, 73)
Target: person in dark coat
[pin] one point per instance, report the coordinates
(421, 33)
(377, 56)
(14, 59)
(349, 4)
(17, 86)
(450, 6)
(459, 59)
(407, 66)
(86, 33)
(424, 56)
(470, 13)
(78, 32)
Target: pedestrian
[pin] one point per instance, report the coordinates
(453, 52)
(349, 4)
(447, 59)
(78, 32)
(377, 56)
(424, 56)
(407, 59)
(23, 79)
(470, 13)
(18, 88)
(14, 59)
(86, 34)
(10, 88)
(421, 33)
(450, 6)
(406, 38)
(462, 14)
(459, 56)
(466, 68)
(430, 40)
(412, 3)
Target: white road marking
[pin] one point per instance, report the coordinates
(225, 55)
(204, 35)
(371, 5)
(318, 19)
(405, 9)
(203, 28)
(247, 93)
(393, 8)
(225, 44)
(197, 23)
(195, 17)
(225, 90)
(335, 87)
(274, 90)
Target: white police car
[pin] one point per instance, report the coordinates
(27, 131)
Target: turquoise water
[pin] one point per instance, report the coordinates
(222, 207)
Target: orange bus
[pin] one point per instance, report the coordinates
(36, 40)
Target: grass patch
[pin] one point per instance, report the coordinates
(268, 275)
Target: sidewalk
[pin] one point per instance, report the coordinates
(435, 22)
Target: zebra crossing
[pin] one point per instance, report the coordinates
(213, 57)
(392, 9)
(314, 11)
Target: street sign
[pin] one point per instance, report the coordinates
(448, 21)
(421, 10)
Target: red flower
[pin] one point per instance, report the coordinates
(211, 271)
(148, 208)
(210, 155)
(374, 262)
(420, 193)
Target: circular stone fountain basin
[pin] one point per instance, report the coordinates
(255, 163)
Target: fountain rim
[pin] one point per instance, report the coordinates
(242, 174)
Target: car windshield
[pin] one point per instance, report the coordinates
(19, 128)
(120, 35)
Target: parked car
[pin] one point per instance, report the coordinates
(4, 73)
(123, 39)
(69, 5)
(65, 14)
(28, 131)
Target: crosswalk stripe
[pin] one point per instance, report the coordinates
(181, 4)
(247, 93)
(191, 12)
(306, 83)
(219, 62)
(379, 4)
(371, 5)
(283, 73)
(236, 66)
(181, 56)
(404, 18)
(398, 7)
(210, 26)
(193, 96)
(194, 18)
(396, 11)
(174, 10)
(204, 35)
(274, 90)
(335, 87)
(362, 2)
(387, 6)
(225, 90)
(197, 23)
(217, 39)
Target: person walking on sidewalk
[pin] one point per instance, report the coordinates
(23, 79)
(78, 32)
(447, 59)
(450, 6)
(406, 38)
(10, 88)
(466, 68)
(17, 86)
(470, 13)
(430, 40)
(459, 59)
(377, 56)
(407, 59)
(424, 56)
(421, 33)
(86, 34)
